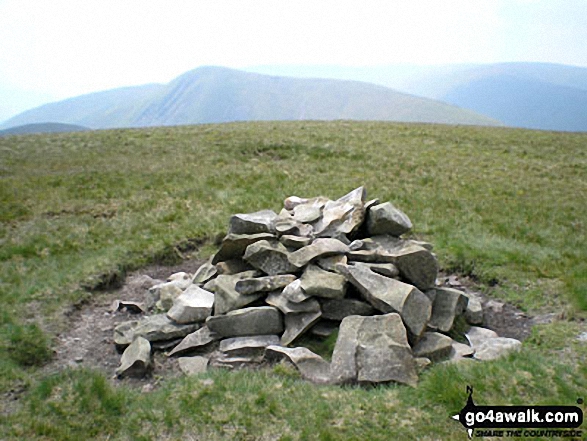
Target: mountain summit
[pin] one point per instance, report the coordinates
(217, 94)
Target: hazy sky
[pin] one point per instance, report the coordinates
(60, 48)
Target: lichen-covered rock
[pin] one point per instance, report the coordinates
(271, 257)
(317, 282)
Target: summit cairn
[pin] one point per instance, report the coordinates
(318, 266)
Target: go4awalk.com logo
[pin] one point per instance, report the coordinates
(520, 421)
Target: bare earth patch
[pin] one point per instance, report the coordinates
(89, 340)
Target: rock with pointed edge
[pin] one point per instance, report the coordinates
(434, 346)
(233, 246)
(311, 366)
(448, 304)
(271, 257)
(317, 282)
(296, 323)
(387, 219)
(193, 305)
(153, 328)
(136, 359)
(253, 223)
(286, 306)
(262, 320)
(338, 309)
(264, 284)
(204, 273)
(227, 298)
(323, 247)
(194, 341)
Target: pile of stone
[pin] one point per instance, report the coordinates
(318, 266)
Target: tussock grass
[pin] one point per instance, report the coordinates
(78, 210)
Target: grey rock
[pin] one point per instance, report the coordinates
(387, 219)
(371, 256)
(356, 245)
(220, 360)
(233, 246)
(247, 346)
(136, 359)
(269, 257)
(154, 328)
(308, 212)
(494, 348)
(494, 306)
(163, 295)
(324, 328)
(130, 306)
(390, 295)
(477, 336)
(264, 284)
(253, 223)
(289, 240)
(448, 304)
(422, 363)
(319, 248)
(474, 310)
(290, 226)
(262, 320)
(320, 283)
(196, 340)
(232, 266)
(338, 309)
(193, 305)
(373, 350)
(415, 264)
(294, 292)
(227, 298)
(423, 244)
(182, 279)
(311, 366)
(204, 273)
(193, 365)
(460, 350)
(297, 323)
(343, 216)
(286, 306)
(330, 263)
(434, 346)
(385, 269)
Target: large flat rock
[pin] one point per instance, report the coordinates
(317, 282)
(271, 257)
(154, 328)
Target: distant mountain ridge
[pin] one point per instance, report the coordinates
(531, 95)
(216, 94)
(42, 128)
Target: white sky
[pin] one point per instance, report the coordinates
(60, 48)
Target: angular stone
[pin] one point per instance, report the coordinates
(204, 273)
(154, 328)
(448, 304)
(289, 226)
(163, 295)
(356, 245)
(373, 350)
(136, 359)
(390, 295)
(227, 298)
(262, 320)
(422, 363)
(286, 306)
(311, 366)
(319, 248)
(343, 216)
(193, 305)
(307, 213)
(269, 257)
(193, 365)
(247, 346)
(232, 266)
(296, 323)
(220, 360)
(297, 242)
(264, 284)
(338, 309)
(434, 346)
(385, 269)
(324, 328)
(329, 263)
(474, 310)
(253, 223)
(415, 264)
(387, 219)
(477, 336)
(233, 246)
(320, 283)
(370, 256)
(460, 350)
(495, 348)
(294, 292)
(182, 279)
(133, 307)
(195, 340)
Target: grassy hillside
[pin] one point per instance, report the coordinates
(78, 210)
(214, 95)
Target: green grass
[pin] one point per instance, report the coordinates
(79, 210)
